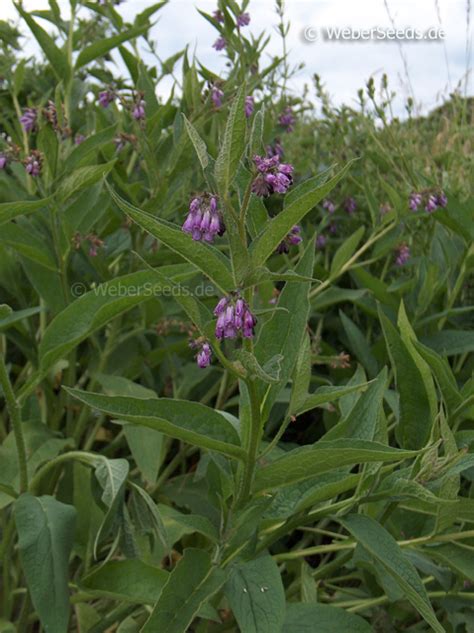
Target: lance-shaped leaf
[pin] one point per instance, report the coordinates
(45, 537)
(301, 201)
(96, 308)
(208, 259)
(10, 210)
(304, 617)
(256, 595)
(233, 144)
(188, 421)
(323, 395)
(381, 545)
(56, 57)
(111, 475)
(192, 582)
(302, 463)
(198, 143)
(81, 178)
(104, 45)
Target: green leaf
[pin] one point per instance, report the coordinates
(416, 415)
(10, 210)
(293, 212)
(323, 395)
(81, 178)
(198, 143)
(256, 595)
(111, 475)
(126, 580)
(345, 251)
(256, 135)
(96, 308)
(55, 56)
(307, 461)
(322, 618)
(188, 421)
(233, 144)
(455, 556)
(270, 373)
(87, 147)
(447, 342)
(192, 582)
(104, 45)
(443, 374)
(382, 546)
(283, 333)
(205, 257)
(45, 537)
(358, 344)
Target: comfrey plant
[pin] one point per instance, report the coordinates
(237, 385)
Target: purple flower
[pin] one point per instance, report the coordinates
(276, 149)
(203, 357)
(216, 96)
(219, 44)
(292, 239)
(28, 119)
(33, 163)
(243, 19)
(332, 228)
(287, 119)
(106, 97)
(249, 105)
(431, 203)
(234, 317)
(138, 111)
(79, 138)
(204, 220)
(403, 255)
(414, 200)
(329, 205)
(442, 199)
(350, 205)
(273, 176)
(321, 242)
(218, 16)
(3, 161)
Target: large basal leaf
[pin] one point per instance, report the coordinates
(416, 413)
(45, 537)
(126, 580)
(322, 618)
(278, 228)
(381, 545)
(10, 210)
(233, 144)
(204, 256)
(96, 308)
(188, 421)
(307, 461)
(256, 595)
(192, 582)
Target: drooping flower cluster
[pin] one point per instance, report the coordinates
(204, 220)
(33, 163)
(3, 161)
(138, 111)
(234, 317)
(220, 43)
(28, 119)
(216, 96)
(243, 19)
(106, 97)
(204, 355)
(287, 119)
(321, 242)
(329, 205)
(276, 149)
(292, 239)
(350, 205)
(249, 106)
(95, 243)
(218, 16)
(273, 176)
(429, 199)
(402, 255)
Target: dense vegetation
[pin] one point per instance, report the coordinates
(236, 341)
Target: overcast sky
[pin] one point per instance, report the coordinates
(427, 69)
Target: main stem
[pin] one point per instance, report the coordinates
(15, 417)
